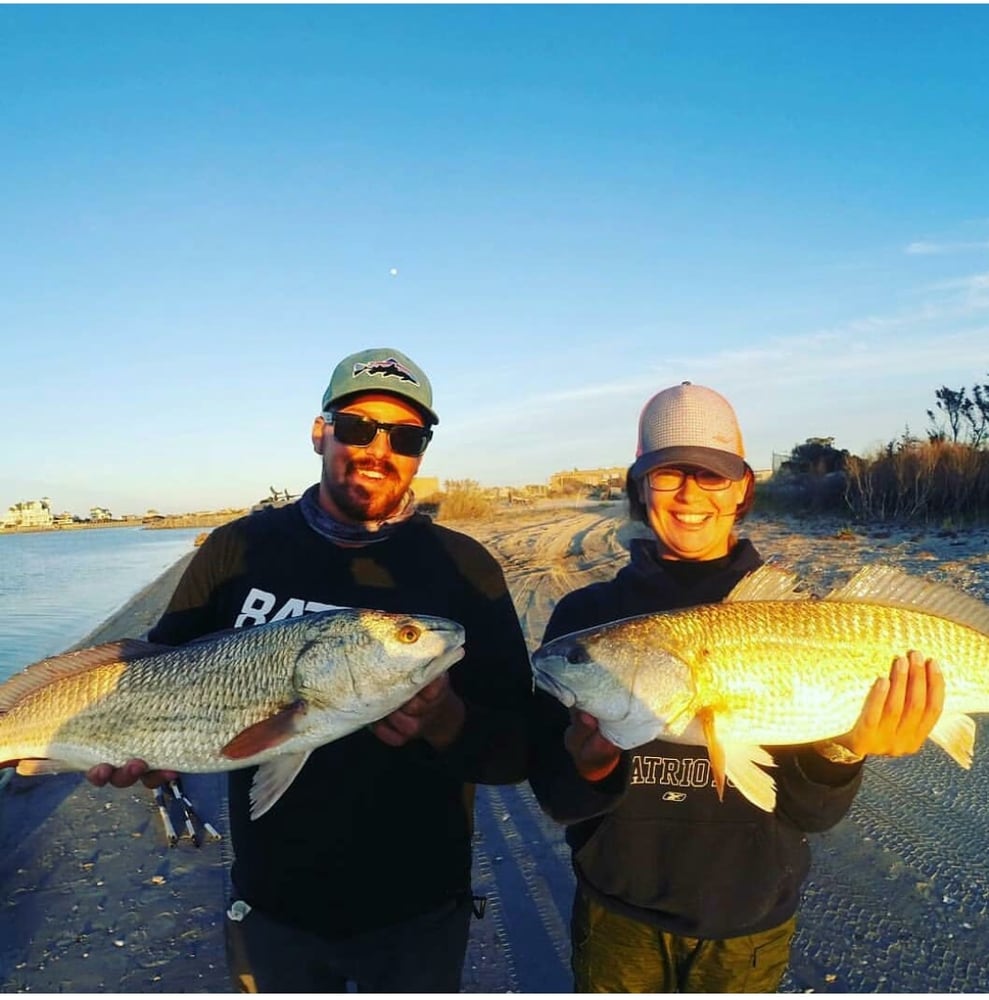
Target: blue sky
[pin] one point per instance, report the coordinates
(201, 209)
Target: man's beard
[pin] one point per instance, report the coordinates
(367, 500)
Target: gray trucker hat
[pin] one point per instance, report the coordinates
(691, 425)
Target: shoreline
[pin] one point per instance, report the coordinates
(160, 523)
(92, 898)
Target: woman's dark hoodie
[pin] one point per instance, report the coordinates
(652, 840)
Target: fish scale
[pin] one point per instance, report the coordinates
(174, 709)
(769, 667)
(799, 672)
(264, 695)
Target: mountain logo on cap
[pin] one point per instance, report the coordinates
(388, 368)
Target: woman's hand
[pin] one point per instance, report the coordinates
(594, 756)
(900, 711)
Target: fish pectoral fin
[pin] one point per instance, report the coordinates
(742, 765)
(266, 734)
(272, 779)
(955, 734)
(714, 748)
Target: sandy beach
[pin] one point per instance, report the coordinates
(94, 899)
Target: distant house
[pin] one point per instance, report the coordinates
(100, 514)
(29, 514)
(579, 480)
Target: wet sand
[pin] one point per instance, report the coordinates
(94, 899)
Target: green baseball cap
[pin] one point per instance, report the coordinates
(381, 369)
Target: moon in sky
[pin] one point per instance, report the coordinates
(393, 271)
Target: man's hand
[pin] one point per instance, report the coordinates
(436, 714)
(594, 756)
(900, 710)
(123, 777)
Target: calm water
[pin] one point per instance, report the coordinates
(56, 587)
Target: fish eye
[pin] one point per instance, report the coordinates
(577, 654)
(409, 633)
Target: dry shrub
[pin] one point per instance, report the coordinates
(938, 481)
(464, 500)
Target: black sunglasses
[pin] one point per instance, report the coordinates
(670, 478)
(353, 429)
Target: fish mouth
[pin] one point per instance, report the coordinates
(438, 665)
(552, 686)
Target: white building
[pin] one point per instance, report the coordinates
(29, 514)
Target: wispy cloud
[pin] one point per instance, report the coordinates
(969, 294)
(925, 247)
(971, 283)
(862, 380)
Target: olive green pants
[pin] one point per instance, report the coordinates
(615, 954)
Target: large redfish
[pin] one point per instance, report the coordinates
(265, 695)
(768, 667)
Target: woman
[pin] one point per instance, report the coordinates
(678, 891)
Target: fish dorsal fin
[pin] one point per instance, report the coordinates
(45, 672)
(879, 584)
(209, 637)
(770, 582)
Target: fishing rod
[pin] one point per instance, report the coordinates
(189, 826)
(191, 814)
(170, 833)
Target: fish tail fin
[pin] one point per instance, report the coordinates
(955, 734)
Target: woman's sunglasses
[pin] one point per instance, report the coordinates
(353, 429)
(670, 478)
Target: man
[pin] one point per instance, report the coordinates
(361, 871)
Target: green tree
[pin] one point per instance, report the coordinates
(816, 456)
